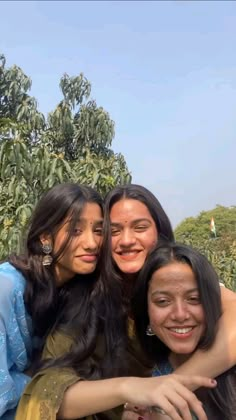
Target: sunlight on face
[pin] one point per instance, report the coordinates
(134, 234)
(175, 311)
(81, 254)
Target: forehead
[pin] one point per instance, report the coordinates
(127, 210)
(175, 275)
(89, 211)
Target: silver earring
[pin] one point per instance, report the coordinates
(47, 249)
(149, 331)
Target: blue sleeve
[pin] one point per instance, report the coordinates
(12, 383)
(13, 355)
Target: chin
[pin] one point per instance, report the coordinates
(86, 270)
(184, 350)
(131, 270)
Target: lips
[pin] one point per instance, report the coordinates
(88, 257)
(181, 330)
(129, 255)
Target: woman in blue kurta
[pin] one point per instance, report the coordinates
(15, 337)
(32, 286)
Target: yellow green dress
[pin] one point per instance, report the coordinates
(43, 396)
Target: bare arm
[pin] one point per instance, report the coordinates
(222, 355)
(169, 392)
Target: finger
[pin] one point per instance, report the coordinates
(169, 410)
(195, 382)
(137, 408)
(131, 415)
(180, 404)
(187, 398)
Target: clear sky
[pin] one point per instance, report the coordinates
(166, 73)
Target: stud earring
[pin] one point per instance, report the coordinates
(47, 249)
(149, 331)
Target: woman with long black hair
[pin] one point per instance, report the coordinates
(176, 307)
(89, 364)
(62, 246)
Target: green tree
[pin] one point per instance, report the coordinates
(18, 110)
(72, 144)
(220, 250)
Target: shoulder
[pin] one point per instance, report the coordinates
(57, 344)
(11, 281)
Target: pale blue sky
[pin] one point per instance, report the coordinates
(166, 73)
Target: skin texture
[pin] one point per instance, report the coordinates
(168, 392)
(222, 355)
(81, 254)
(174, 304)
(134, 234)
(212, 362)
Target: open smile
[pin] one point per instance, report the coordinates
(183, 332)
(129, 255)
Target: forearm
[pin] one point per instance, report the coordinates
(89, 397)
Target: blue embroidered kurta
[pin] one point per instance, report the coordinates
(15, 338)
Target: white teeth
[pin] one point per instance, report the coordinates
(181, 330)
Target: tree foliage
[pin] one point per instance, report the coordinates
(220, 250)
(72, 144)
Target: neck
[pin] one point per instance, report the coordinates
(128, 287)
(177, 360)
(128, 283)
(62, 276)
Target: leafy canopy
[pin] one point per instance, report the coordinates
(73, 143)
(219, 249)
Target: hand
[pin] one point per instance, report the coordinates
(171, 393)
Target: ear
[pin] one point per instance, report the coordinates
(45, 238)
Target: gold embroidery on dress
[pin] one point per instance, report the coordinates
(53, 392)
(44, 411)
(131, 329)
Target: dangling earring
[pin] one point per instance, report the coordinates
(47, 249)
(149, 331)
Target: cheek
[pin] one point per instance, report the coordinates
(150, 241)
(58, 244)
(201, 317)
(99, 241)
(113, 243)
(155, 315)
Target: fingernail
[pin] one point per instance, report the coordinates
(213, 381)
(136, 408)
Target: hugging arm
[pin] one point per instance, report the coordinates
(61, 394)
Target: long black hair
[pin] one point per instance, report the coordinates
(86, 306)
(220, 402)
(162, 222)
(42, 297)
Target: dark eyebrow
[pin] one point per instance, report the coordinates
(116, 225)
(134, 222)
(165, 292)
(143, 219)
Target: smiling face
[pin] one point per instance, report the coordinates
(175, 311)
(134, 234)
(81, 253)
